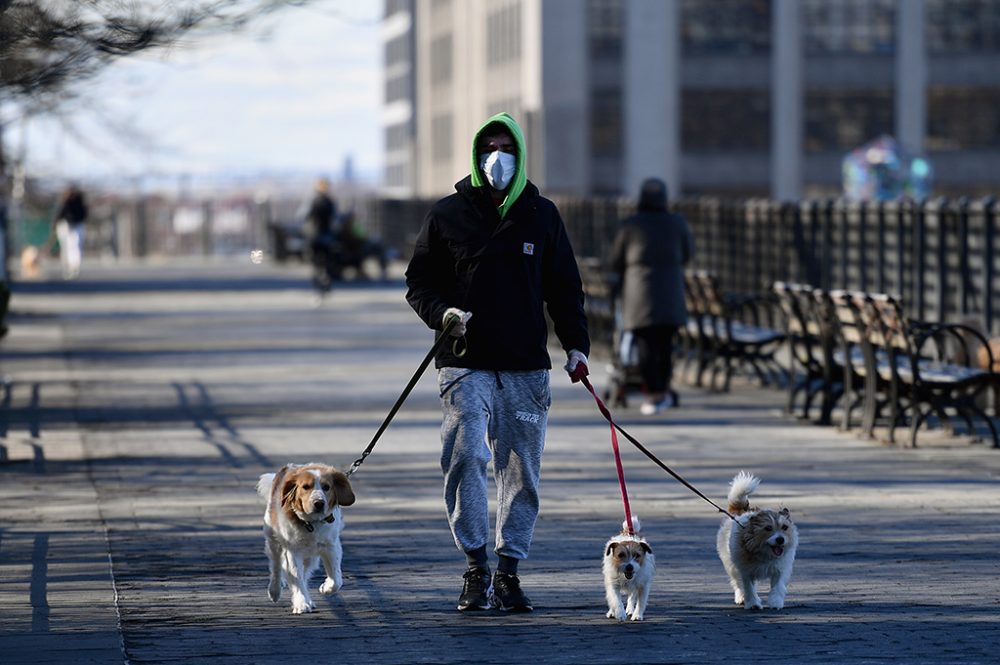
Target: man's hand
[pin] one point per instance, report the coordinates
(576, 365)
(463, 317)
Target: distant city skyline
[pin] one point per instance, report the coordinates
(299, 92)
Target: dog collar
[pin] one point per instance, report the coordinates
(310, 525)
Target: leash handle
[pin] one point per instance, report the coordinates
(445, 334)
(635, 442)
(618, 458)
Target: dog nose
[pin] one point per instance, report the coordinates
(780, 540)
(318, 505)
(629, 571)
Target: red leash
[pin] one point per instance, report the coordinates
(581, 376)
(618, 457)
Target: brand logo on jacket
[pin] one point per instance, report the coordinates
(529, 248)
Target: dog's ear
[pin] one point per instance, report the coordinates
(288, 482)
(611, 548)
(342, 489)
(784, 511)
(646, 547)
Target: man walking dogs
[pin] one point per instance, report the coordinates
(493, 255)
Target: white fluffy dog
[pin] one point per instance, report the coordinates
(758, 545)
(302, 525)
(628, 571)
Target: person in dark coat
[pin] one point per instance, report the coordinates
(647, 261)
(493, 257)
(319, 240)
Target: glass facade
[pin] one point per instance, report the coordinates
(726, 27)
(441, 59)
(841, 120)
(503, 35)
(606, 131)
(726, 119)
(848, 26)
(963, 118)
(963, 26)
(397, 87)
(605, 21)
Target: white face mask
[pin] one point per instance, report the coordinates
(498, 167)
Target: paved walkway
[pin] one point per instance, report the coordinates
(142, 402)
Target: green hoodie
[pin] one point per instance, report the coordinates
(520, 177)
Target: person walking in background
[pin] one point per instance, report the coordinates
(319, 240)
(647, 263)
(493, 255)
(69, 230)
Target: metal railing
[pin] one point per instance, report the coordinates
(939, 256)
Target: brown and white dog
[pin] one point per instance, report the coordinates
(302, 526)
(628, 569)
(758, 545)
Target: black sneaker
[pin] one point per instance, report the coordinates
(475, 593)
(507, 594)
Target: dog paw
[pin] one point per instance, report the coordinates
(753, 606)
(776, 603)
(329, 586)
(274, 592)
(302, 606)
(617, 614)
(636, 617)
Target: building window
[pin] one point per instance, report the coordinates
(397, 136)
(503, 35)
(963, 26)
(441, 59)
(848, 26)
(726, 27)
(397, 6)
(397, 87)
(606, 123)
(960, 118)
(395, 175)
(397, 49)
(605, 26)
(730, 119)
(839, 120)
(441, 138)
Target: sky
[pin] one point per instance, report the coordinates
(300, 91)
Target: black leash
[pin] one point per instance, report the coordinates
(607, 416)
(441, 340)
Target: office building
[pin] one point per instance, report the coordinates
(718, 97)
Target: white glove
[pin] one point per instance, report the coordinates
(463, 317)
(576, 365)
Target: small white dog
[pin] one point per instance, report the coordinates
(302, 525)
(758, 545)
(628, 571)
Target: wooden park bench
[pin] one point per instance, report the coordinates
(732, 332)
(933, 368)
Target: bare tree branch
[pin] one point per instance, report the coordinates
(47, 47)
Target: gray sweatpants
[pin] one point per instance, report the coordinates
(503, 414)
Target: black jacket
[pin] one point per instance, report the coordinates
(502, 272)
(648, 256)
(73, 209)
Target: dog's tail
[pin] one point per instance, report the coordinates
(636, 526)
(740, 489)
(264, 485)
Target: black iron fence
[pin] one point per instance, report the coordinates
(940, 257)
